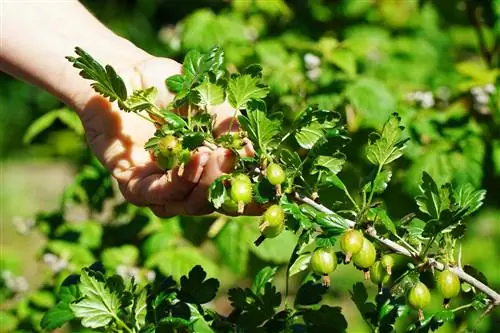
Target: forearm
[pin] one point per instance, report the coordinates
(37, 36)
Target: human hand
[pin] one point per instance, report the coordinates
(117, 139)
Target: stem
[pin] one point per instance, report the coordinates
(428, 245)
(351, 199)
(145, 118)
(372, 192)
(474, 19)
(492, 294)
(461, 307)
(122, 324)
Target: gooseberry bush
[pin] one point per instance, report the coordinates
(294, 165)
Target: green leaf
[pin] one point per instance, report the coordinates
(379, 184)
(140, 308)
(243, 88)
(264, 276)
(332, 164)
(380, 215)
(333, 180)
(106, 81)
(115, 256)
(467, 199)
(429, 202)
(496, 149)
(195, 288)
(141, 100)
(308, 136)
(192, 140)
(372, 99)
(217, 192)
(345, 60)
(174, 121)
(310, 293)
(325, 319)
(261, 130)
(276, 250)
(233, 247)
(99, 305)
(179, 261)
(210, 94)
(300, 264)
(57, 316)
(388, 146)
(65, 115)
(8, 322)
(175, 83)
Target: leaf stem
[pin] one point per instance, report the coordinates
(122, 324)
(397, 248)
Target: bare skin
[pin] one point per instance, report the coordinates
(36, 38)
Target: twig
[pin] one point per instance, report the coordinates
(495, 297)
(474, 20)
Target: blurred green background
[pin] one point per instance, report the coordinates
(365, 58)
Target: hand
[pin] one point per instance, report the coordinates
(117, 138)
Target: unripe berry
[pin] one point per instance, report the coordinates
(169, 146)
(241, 192)
(275, 174)
(448, 284)
(273, 221)
(419, 298)
(323, 262)
(351, 243)
(378, 274)
(366, 256)
(387, 262)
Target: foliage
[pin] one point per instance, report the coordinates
(327, 90)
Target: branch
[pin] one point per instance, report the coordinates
(495, 297)
(474, 20)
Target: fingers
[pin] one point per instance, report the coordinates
(149, 185)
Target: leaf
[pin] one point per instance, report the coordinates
(243, 88)
(260, 129)
(388, 146)
(195, 288)
(141, 100)
(333, 180)
(325, 319)
(276, 250)
(57, 316)
(372, 100)
(310, 293)
(113, 257)
(331, 164)
(217, 192)
(233, 247)
(210, 94)
(467, 199)
(308, 136)
(429, 202)
(173, 121)
(379, 184)
(345, 60)
(65, 115)
(179, 261)
(291, 160)
(140, 308)
(300, 264)
(192, 140)
(380, 215)
(175, 83)
(264, 276)
(106, 81)
(99, 306)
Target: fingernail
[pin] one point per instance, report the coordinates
(226, 161)
(204, 159)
